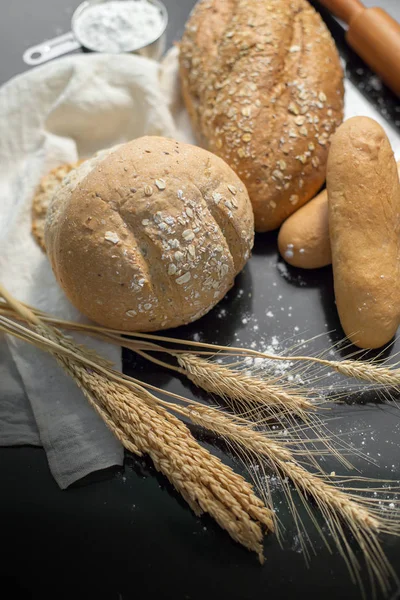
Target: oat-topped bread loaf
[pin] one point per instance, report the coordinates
(149, 234)
(262, 82)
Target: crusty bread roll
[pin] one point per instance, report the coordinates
(43, 195)
(149, 234)
(262, 82)
(364, 225)
(303, 239)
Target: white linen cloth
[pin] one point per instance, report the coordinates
(51, 115)
(54, 114)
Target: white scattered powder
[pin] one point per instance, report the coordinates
(119, 26)
(269, 314)
(282, 268)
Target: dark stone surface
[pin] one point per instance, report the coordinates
(126, 533)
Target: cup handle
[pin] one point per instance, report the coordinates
(36, 55)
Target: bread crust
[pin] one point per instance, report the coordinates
(149, 234)
(364, 225)
(262, 83)
(42, 198)
(303, 239)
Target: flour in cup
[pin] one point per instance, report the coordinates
(119, 25)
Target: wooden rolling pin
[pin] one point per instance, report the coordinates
(374, 35)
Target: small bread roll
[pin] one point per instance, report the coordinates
(43, 195)
(303, 239)
(149, 235)
(364, 225)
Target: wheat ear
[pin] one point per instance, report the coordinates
(357, 369)
(338, 507)
(234, 385)
(142, 426)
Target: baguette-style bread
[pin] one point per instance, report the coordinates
(262, 82)
(149, 234)
(364, 225)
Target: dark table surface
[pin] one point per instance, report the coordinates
(127, 534)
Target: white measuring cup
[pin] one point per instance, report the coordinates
(68, 42)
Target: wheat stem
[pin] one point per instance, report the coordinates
(361, 370)
(336, 505)
(144, 424)
(143, 427)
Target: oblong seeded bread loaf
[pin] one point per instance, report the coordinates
(149, 234)
(262, 82)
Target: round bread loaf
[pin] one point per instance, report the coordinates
(149, 234)
(262, 82)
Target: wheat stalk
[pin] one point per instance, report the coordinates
(134, 415)
(206, 484)
(234, 385)
(143, 427)
(337, 506)
(253, 396)
(365, 370)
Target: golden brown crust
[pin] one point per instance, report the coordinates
(150, 234)
(262, 83)
(364, 225)
(42, 198)
(303, 239)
